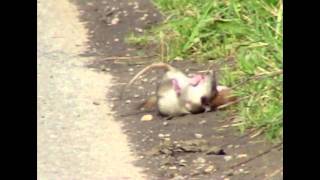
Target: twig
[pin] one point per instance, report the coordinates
(274, 173)
(237, 139)
(135, 113)
(126, 57)
(258, 77)
(255, 157)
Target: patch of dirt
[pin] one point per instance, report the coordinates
(202, 146)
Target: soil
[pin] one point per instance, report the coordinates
(202, 146)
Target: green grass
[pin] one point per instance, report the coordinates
(248, 30)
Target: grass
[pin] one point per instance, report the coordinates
(250, 31)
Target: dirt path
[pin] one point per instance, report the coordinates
(77, 135)
(168, 149)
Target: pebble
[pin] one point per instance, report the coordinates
(136, 95)
(197, 135)
(202, 122)
(200, 160)
(242, 156)
(178, 58)
(209, 169)
(116, 40)
(229, 172)
(139, 30)
(227, 158)
(144, 17)
(230, 146)
(145, 80)
(130, 69)
(165, 123)
(128, 101)
(172, 168)
(140, 87)
(161, 135)
(147, 117)
(236, 146)
(96, 103)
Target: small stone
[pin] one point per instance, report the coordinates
(96, 103)
(215, 150)
(165, 123)
(136, 95)
(128, 101)
(229, 172)
(167, 139)
(197, 135)
(178, 58)
(202, 122)
(242, 156)
(147, 117)
(172, 168)
(166, 135)
(139, 30)
(200, 160)
(209, 169)
(111, 105)
(241, 170)
(116, 40)
(115, 21)
(144, 17)
(236, 146)
(161, 135)
(153, 93)
(230, 146)
(130, 69)
(227, 158)
(145, 80)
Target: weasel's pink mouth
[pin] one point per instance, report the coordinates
(196, 79)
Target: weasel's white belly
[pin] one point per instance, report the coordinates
(170, 105)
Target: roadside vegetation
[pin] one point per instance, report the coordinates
(244, 37)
